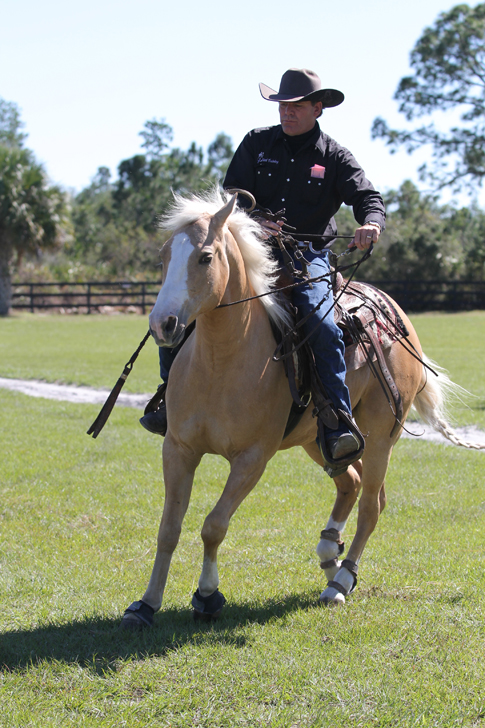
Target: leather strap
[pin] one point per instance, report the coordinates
(350, 566)
(331, 534)
(398, 411)
(328, 564)
(107, 408)
(338, 587)
(154, 403)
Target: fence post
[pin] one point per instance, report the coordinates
(143, 297)
(88, 298)
(31, 290)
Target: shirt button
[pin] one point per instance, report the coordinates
(288, 179)
(292, 160)
(282, 199)
(309, 182)
(269, 174)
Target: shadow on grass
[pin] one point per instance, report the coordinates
(98, 643)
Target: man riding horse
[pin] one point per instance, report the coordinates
(299, 171)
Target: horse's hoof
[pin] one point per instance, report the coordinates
(207, 609)
(332, 598)
(132, 624)
(137, 616)
(202, 617)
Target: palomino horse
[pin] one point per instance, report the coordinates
(226, 395)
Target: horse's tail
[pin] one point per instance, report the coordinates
(433, 402)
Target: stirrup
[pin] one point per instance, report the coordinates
(338, 466)
(154, 403)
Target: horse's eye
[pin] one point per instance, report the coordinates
(205, 259)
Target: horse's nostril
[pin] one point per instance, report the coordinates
(170, 325)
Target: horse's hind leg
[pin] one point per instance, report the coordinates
(371, 504)
(246, 470)
(331, 546)
(178, 471)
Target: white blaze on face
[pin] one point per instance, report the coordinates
(174, 292)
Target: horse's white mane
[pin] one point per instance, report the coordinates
(260, 265)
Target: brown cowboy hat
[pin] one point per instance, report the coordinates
(299, 84)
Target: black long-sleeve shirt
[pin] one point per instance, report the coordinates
(310, 180)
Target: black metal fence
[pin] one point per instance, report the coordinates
(89, 297)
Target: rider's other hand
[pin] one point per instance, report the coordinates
(365, 236)
(269, 227)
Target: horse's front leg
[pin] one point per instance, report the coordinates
(246, 469)
(178, 470)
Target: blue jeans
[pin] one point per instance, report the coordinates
(325, 338)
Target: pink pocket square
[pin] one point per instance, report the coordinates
(317, 171)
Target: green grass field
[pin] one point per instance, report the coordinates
(78, 523)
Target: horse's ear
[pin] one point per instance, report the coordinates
(224, 213)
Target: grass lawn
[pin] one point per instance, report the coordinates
(78, 523)
(92, 350)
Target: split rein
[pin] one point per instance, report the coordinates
(107, 408)
(306, 280)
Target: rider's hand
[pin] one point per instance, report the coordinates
(365, 236)
(269, 227)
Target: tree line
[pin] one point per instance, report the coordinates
(109, 230)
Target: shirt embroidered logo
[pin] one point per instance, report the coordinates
(317, 171)
(262, 159)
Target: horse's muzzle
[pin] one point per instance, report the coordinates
(168, 332)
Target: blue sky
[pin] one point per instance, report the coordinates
(86, 76)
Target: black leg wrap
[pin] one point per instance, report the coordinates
(208, 608)
(143, 613)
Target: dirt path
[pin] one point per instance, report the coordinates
(86, 395)
(71, 393)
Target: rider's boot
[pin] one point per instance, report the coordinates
(343, 445)
(156, 422)
(340, 449)
(155, 418)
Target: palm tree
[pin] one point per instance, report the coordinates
(32, 213)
